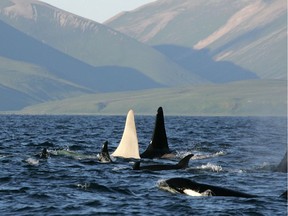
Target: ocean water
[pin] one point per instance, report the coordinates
(238, 153)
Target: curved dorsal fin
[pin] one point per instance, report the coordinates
(128, 147)
(184, 162)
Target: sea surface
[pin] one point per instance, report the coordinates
(238, 153)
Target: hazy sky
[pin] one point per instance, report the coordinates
(98, 10)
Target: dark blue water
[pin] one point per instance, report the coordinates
(237, 153)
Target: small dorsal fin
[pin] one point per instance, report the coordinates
(128, 147)
(105, 147)
(44, 153)
(104, 155)
(185, 161)
(282, 166)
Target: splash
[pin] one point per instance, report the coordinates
(84, 186)
(200, 156)
(210, 166)
(32, 162)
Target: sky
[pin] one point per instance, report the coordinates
(97, 10)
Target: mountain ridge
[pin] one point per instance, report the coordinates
(94, 43)
(52, 60)
(236, 31)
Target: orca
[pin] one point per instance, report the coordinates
(158, 147)
(282, 166)
(192, 188)
(44, 154)
(104, 156)
(128, 147)
(181, 165)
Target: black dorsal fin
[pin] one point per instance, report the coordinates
(105, 147)
(104, 155)
(159, 144)
(282, 166)
(185, 161)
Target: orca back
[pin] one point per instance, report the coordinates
(183, 184)
(185, 161)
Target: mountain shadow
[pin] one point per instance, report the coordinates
(21, 47)
(13, 100)
(201, 62)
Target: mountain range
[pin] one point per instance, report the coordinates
(48, 56)
(250, 34)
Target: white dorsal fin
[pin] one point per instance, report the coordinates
(128, 147)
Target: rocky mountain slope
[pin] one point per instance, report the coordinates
(42, 73)
(170, 53)
(249, 33)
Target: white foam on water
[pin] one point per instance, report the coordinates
(32, 161)
(210, 166)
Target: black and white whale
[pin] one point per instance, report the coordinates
(158, 147)
(128, 147)
(192, 188)
(104, 156)
(181, 165)
(282, 166)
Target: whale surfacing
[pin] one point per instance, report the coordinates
(158, 146)
(128, 147)
(192, 188)
(104, 156)
(183, 163)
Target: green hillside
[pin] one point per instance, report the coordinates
(251, 34)
(262, 97)
(24, 84)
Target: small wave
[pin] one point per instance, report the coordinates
(93, 203)
(205, 156)
(13, 190)
(5, 179)
(93, 187)
(210, 166)
(264, 167)
(199, 155)
(120, 167)
(46, 144)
